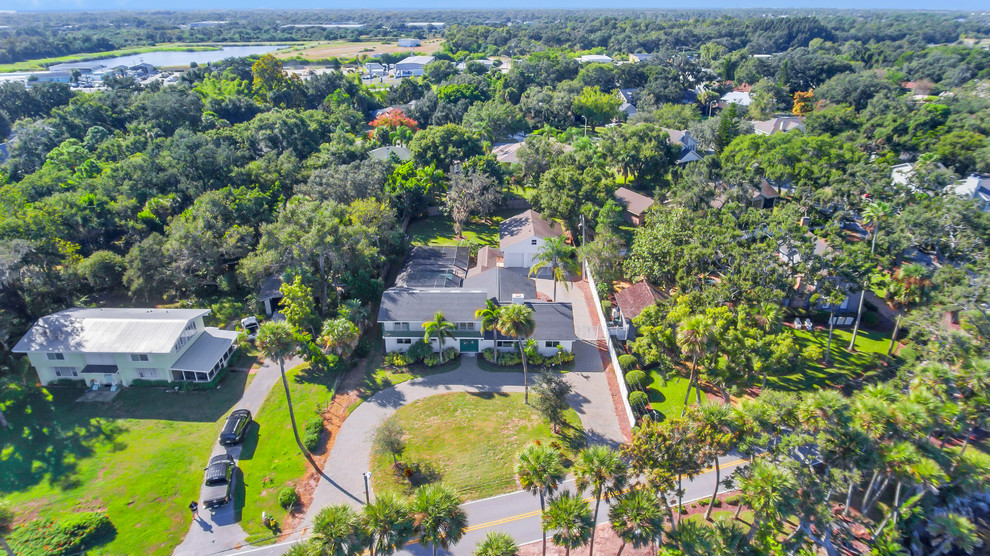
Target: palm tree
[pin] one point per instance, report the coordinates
(339, 335)
(558, 256)
(276, 341)
(601, 470)
(875, 212)
(489, 315)
(950, 530)
(388, 523)
(768, 490)
(338, 531)
(907, 288)
(516, 321)
(715, 433)
(570, 516)
(636, 518)
(438, 329)
(497, 543)
(539, 471)
(692, 338)
(438, 516)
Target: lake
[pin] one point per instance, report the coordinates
(166, 59)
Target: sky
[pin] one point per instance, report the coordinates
(49, 5)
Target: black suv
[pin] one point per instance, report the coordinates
(234, 428)
(219, 481)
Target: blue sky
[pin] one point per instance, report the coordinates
(32, 5)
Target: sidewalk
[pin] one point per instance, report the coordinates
(220, 530)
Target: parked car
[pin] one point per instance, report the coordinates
(234, 427)
(219, 481)
(251, 327)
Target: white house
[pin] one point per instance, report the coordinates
(412, 66)
(118, 346)
(375, 69)
(975, 187)
(521, 237)
(594, 59)
(409, 42)
(742, 98)
(639, 57)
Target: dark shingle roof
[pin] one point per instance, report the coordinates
(413, 305)
(554, 321)
(502, 283)
(636, 203)
(526, 225)
(434, 267)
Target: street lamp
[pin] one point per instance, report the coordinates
(585, 125)
(367, 486)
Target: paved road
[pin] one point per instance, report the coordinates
(219, 530)
(518, 514)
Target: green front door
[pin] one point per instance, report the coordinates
(469, 346)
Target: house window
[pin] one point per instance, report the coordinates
(403, 341)
(533, 242)
(188, 332)
(139, 357)
(505, 344)
(400, 326)
(55, 356)
(65, 372)
(148, 374)
(551, 344)
(465, 326)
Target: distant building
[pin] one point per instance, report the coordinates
(975, 187)
(81, 67)
(636, 204)
(487, 63)
(742, 98)
(689, 145)
(384, 153)
(780, 124)
(375, 69)
(202, 24)
(412, 66)
(639, 57)
(594, 59)
(506, 153)
(409, 42)
(426, 24)
(144, 68)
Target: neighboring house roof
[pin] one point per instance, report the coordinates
(502, 282)
(767, 190)
(507, 152)
(420, 60)
(382, 153)
(373, 66)
(463, 65)
(434, 267)
(628, 95)
(639, 57)
(778, 125)
(554, 321)
(488, 257)
(525, 226)
(676, 135)
(737, 97)
(636, 203)
(417, 305)
(975, 186)
(108, 331)
(688, 155)
(627, 109)
(635, 298)
(204, 353)
(271, 288)
(596, 58)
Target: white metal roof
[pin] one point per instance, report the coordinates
(108, 331)
(204, 353)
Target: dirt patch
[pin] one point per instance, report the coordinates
(352, 49)
(605, 543)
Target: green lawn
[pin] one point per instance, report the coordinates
(439, 230)
(845, 366)
(667, 398)
(140, 458)
(470, 441)
(270, 459)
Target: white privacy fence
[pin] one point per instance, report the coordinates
(616, 369)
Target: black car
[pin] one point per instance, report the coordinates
(235, 427)
(219, 481)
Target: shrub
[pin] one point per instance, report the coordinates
(362, 349)
(536, 359)
(563, 356)
(432, 360)
(683, 510)
(733, 500)
(6, 516)
(288, 497)
(813, 353)
(509, 359)
(635, 378)
(488, 354)
(311, 438)
(449, 355)
(638, 398)
(418, 351)
(149, 383)
(717, 503)
(71, 534)
(628, 362)
(396, 359)
(909, 354)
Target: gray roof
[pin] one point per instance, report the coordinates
(382, 153)
(525, 226)
(271, 288)
(501, 283)
(108, 331)
(204, 353)
(417, 305)
(434, 267)
(554, 321)
(420, 60)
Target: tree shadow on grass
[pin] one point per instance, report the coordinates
(488, 395)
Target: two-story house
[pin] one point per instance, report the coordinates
(520, 237)
(118, 346)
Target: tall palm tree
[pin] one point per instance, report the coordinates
(388, 523)
(636, 518)
(438, 516)
(339, 335)
(438, 329)
(601, 470)
(489, 315)
(716, 434)
(558, 256)
(276, 341)
(768, 489)
(516, 321)
(497, 543)
(570, 516)
(540, 471)
(338, 531)
(693, 339)
(874, 213)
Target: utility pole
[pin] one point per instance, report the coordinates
(367, 487)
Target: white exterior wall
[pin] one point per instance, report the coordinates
(541, 346)
(407, 70)
(520, 255)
